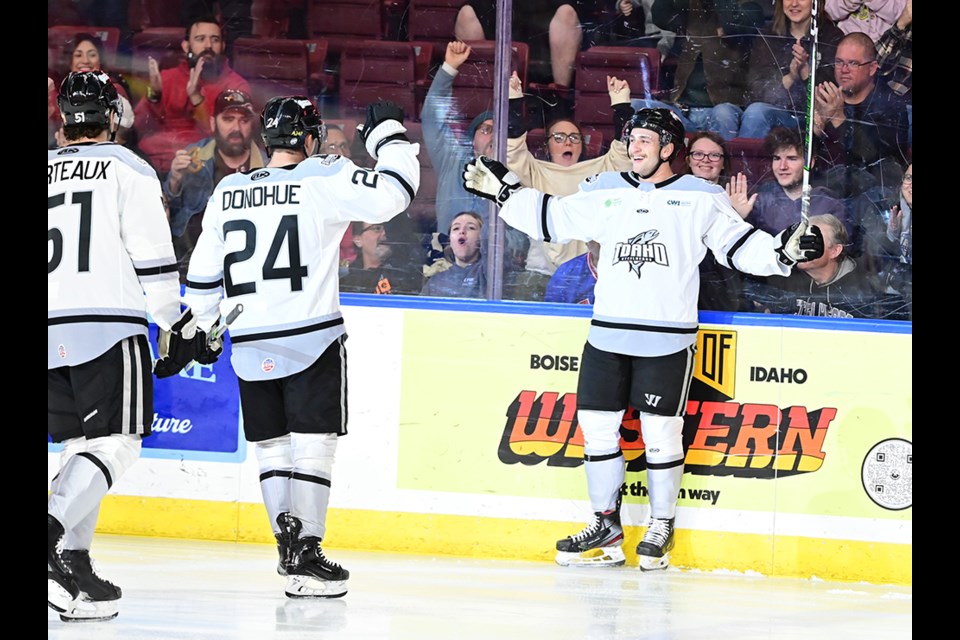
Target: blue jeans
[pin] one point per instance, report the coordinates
(760, 117)
(723, 119)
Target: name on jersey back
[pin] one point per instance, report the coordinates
(77, 170)
(261, 196)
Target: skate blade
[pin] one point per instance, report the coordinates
(648, 563)
(58, 598)
(88, 611)
(307, 587)
(602, 557)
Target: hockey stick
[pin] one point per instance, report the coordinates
(808, 156)
(214, 340)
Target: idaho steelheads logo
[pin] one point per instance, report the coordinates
(721, 437)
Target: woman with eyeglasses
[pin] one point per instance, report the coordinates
(562, 172)
(779, 72)
(707, 157)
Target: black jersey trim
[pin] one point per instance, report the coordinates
(606, 456)
(97, 319)
(97, 462)
(403, 181)
(156, 271)
(544, 203)
(192, 284)
(736, 247)
(309, 478)
(639, 327)
(286, 333)
(275, 473)
(665, 465)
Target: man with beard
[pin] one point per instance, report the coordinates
(196, 170)
(378, 268)
(176, 109)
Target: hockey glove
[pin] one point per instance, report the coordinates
(183, 343)
(489, 179)
(384, 124)
(800, 242)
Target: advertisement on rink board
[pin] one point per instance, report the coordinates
(787, 420)
(780, 420)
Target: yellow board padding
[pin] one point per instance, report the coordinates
(511, 539)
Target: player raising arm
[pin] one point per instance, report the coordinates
(271, 242)
(654, 228)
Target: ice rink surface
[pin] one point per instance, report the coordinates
(202, 590)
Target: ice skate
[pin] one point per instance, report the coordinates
(597, 545)
(62, 589)
(312, 575)
(654, 550)
(99, 598)
(289, 532)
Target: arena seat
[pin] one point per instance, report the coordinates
(280, 66)
(372, 70)
(432, 21)
(473, 87)
(343, 21)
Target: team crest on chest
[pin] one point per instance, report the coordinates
(639, 250)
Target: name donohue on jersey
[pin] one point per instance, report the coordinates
(108, 244)
(276, 232)
(652, 239)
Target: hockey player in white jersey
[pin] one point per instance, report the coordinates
(110, 263)
(654, 228)
(270, 241)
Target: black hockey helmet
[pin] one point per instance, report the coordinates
(664, 121)
(88, 98)
(286, 120)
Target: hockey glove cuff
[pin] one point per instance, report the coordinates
(800, 242)
(183, 343)
(490, 179)
(384, 124)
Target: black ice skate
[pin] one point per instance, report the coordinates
(654, 550)
(62, 589)
(99, 598)
(312, 575)
(597, 545)
(290, 528)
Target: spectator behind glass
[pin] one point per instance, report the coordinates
(780, 67)
(466, 275)
(337, 143)
(477, 20)
(708, 158)
(777, 201)
(376, 269)
(574, 280)
(895, 60)
(834, 285)
(564, 169)
(196, 170)
(888, 237)
(449, 152)
(87, 54)
(710, 88)
(861, 124)
(176, 110)
(871, 17)
(236, 15)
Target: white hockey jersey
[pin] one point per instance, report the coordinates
(271, 241)
(652, 238)
(108, 244)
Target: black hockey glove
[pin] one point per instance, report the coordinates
(183, 343)
(800, 242)
(489, 179)
(384, 124)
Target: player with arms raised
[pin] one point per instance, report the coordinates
(653, 228)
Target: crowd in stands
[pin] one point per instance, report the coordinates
(736, 72)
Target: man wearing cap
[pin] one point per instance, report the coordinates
(197, 169)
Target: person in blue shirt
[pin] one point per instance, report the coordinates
(466, 277)
(574, 279)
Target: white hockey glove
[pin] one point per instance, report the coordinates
(800, 243)
(489, 179)
(384, 124)
(183, 343)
